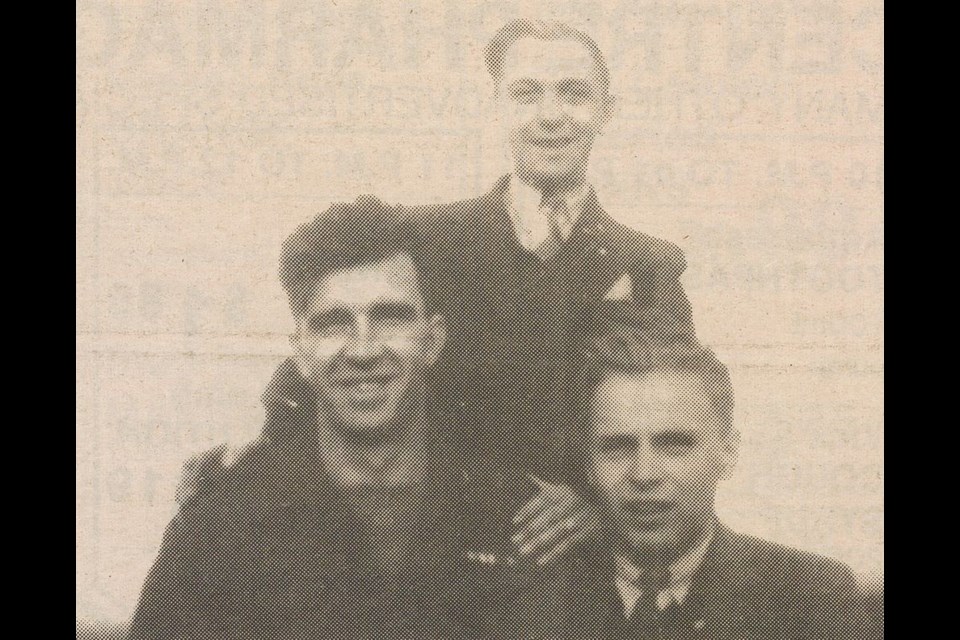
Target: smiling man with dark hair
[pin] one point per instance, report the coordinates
(349, 517)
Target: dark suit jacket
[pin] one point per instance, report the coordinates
(746, 588)
(270, 549)
(517, 323)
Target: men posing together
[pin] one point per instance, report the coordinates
(496, 423)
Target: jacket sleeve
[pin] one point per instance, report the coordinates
(177, 598)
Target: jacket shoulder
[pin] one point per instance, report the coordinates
(777, 591)
(236, 496)
(791, 567)
(639, 247)
(819, 594)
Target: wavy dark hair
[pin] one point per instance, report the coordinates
(348, 235)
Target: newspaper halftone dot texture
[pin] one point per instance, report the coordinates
(269, 547)
(93, 630)
(262, 549)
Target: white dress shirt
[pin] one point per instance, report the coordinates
(681, 575)
(531, 221)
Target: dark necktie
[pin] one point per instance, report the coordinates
(558, 214)
(644, 620)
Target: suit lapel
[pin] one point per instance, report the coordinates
(593, 257)
(575, 600)
(491, 246)
(493, 226)
(716, 605)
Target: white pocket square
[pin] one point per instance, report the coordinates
(622, 289)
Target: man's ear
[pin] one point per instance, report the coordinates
(607, 110)
(298, 358)
(436, 338)
(730, 452)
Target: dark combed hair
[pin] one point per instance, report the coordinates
(520, 28)
(633, 353)
(343, 236)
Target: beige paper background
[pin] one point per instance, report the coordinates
(750, 133)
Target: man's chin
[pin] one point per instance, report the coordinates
(366, 426)
(544, 173)
(652, 546)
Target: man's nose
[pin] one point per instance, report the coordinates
(551, 111)
(364, 344)
(645, 468)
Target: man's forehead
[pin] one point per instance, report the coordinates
(548, 59)
(653, 401)
(394, 278)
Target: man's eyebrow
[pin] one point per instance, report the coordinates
(390, 307)
(333, 314)
(676, 436)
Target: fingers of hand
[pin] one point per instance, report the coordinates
(567, 531)
(560, 549)
(549, 494)
(548, 515)
(530, 509)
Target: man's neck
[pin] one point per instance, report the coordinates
(682, 567)
(394, 456)
(670, 556)
(551, 186)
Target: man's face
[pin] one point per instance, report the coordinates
(553, 105)
(365, 342)
(658, 450)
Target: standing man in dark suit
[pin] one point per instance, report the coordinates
(350, 516)
(536, 266)
(661, 438)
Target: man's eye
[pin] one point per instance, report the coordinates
(525, 93)
(392, 315)
(676, 443)
(575, 92)
(329, 323)
(616, 445)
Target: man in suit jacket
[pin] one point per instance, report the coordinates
(661, 438)
(350, 516)
(536, 266)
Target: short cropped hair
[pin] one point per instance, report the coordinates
(633, 353)
(344, 236)
(520, 28)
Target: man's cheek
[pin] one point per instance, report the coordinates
(524, 112)
(406, 348)
(315, 363)
(609, 476)
(582, 117)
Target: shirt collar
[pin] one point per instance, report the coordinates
(681, 576)
(529, 222)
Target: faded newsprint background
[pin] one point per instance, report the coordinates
(750, 133)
